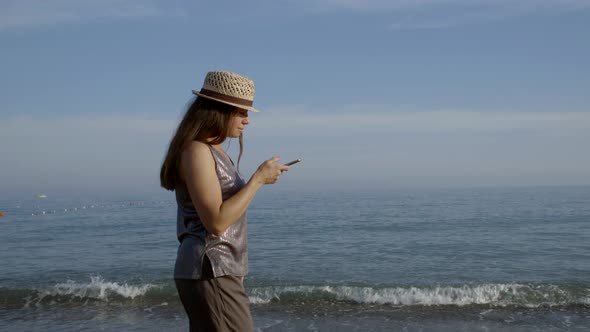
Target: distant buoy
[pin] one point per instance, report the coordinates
(41, 196)
(1, 214)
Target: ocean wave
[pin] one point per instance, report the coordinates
(99, 290)
(485, 294)
(72, 292)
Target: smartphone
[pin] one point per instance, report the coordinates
(293, 162)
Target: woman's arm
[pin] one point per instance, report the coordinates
(198, 171)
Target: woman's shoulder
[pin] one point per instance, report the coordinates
(196, 150)
(196, 155)
(197, 146)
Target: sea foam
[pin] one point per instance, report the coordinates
(484, 294)
(97, 288)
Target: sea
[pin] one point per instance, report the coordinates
(438, 259)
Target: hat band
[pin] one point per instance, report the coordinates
(230, 99)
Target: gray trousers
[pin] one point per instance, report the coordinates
(215, 304)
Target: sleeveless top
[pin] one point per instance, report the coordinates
(227, 253)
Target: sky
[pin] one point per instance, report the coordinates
(372, 95)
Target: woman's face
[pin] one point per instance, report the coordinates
(238, 122)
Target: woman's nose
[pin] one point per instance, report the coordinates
(246, 121)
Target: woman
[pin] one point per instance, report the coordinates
(212, 199)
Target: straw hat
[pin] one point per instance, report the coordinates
(228, 88)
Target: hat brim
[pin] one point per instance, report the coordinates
(249, 108)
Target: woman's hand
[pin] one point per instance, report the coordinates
(198, 172)
(269, 171)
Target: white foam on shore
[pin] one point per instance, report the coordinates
(258, 300)
(97, 288)
(490, 294)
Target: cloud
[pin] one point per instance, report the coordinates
(433, 14)
(24, 13)
(372, 146)
(378, 119)
(426, 4)
(83, 151)
(406, 14)
(377, 146)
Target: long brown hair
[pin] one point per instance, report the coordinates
(206, 121)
